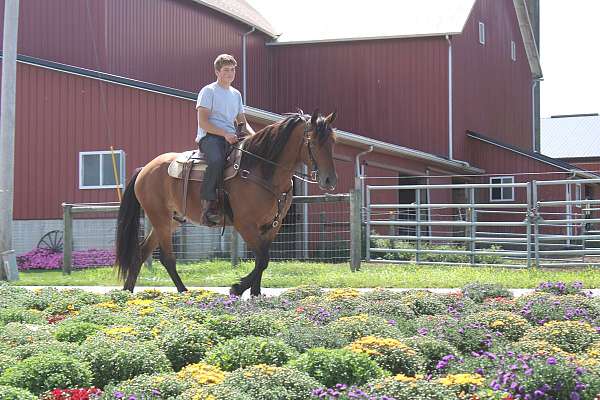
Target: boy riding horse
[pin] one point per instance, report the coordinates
(220, 109)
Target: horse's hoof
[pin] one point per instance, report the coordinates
(236, 290)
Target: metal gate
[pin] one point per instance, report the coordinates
(458, 224)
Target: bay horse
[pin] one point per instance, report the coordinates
(259, 196)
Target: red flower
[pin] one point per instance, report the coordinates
(91, 393)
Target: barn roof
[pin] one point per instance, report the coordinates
(343, 20)
(571, 136)
(560, 164)
(243, 12)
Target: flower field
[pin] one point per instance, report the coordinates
(477, 343)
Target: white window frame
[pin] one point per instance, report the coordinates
(513, 51)
(121, 172)
(502, 181)
(481, 33)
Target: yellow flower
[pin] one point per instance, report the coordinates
(120, 331)
(147, 311)
(109, 304)
(462, 379)
(140, 302)
(372, 345)
(337, 294)
(497, 324)
(202, 374)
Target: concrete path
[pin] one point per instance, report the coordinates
(265, 291)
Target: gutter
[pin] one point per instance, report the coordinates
(357, 175)
(450, 122)
(355, 140)
(244, 41)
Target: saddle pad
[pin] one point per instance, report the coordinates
(178, 165)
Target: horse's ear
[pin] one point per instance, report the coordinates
(330, 119)
(315, 117)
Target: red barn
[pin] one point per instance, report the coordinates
(439, 95)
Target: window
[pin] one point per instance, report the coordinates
(513, 50)
(96, 169)
(481, 33)
(502, 193)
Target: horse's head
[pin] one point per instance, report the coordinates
(320, 140)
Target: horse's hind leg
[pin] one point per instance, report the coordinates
(147, 247)
(167, 258)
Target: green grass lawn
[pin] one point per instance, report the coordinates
(294, 273)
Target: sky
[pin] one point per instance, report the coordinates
(570, 56)
(569, 50)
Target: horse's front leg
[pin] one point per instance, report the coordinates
(261, 263)
(260, 246)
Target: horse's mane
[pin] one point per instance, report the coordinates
(268, 143)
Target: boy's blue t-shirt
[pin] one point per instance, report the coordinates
(224, 106)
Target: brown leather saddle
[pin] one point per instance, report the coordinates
(191, 165)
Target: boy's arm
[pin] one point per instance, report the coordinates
(241, 119)
(204, 123)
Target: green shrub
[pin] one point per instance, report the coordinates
(331, 366)
(264, 382)
(75, 331)
(431, 349)
(422, 302)
(99, 315)
(17, 314)
(148, 386)
(250, 350)
(13, 296)
(300, 292)
(539, 308)
(225, 325)
(465, 336)
(555, 377)
(217, 392)
(13, 393)
(357, 326)
(478, 292)
(44, 372)
(114, 360)
(390, 309)
(562, 288)
(262, 324)
(571, 336)
(52, 346)
(404, 388)
(16, 333)
(390, 354)
(510, 325)
(537, 348)
(185, 343)
(7, 360)
(304, 335)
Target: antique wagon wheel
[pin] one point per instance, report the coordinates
(52, 240)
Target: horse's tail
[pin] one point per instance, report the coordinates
(128, 230)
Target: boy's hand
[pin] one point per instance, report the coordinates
(231, 138)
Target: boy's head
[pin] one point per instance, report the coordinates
(225, 68)
(224, 60)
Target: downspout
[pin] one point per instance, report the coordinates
(357, 174)
(450, 131)
(244, 40)
(536, 146)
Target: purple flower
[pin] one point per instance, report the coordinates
(551, 361)
(119, 395)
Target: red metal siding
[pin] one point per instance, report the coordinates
(492, 94)
(392, 90)
(59, 115)
(167, 42)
